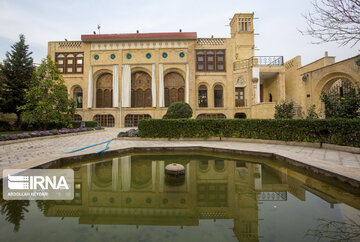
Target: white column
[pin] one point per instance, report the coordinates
(115, 173)
(90, 88)
(115, 85)
(126, 86)
(161, 86)
(256, 75)
(125, 173)
(153, 86)
(187, 84)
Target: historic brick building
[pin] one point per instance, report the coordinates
(118, 79)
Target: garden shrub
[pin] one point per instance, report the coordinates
(4, 126)
(331, 131)
(179, 110)
(284, 110)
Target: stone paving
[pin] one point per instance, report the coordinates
(36, 152)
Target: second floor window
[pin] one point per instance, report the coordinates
(210, 60)
(69, 63)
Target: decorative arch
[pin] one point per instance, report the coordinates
(327, 82)
(141, 89)
(240, 115)
(176, 70)
(104, 91)
(77, 117)
(174, 88)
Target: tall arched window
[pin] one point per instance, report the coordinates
(140, 89)
(218, 96)
(78, 97)
(203, 97)
(174, 85)
(104, 91)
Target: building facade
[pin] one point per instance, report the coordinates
(118, 79)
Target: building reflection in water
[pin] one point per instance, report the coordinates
(131, 190)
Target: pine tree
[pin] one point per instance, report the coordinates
(47, 101)
(16, 73)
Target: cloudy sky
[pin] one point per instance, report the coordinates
(50, 20)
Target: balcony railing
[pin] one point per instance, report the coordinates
(259, 61)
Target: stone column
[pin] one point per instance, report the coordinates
(115, 85)
(126, 86)
(153, 86)
(187, 84)
(90, 88)
(161, 86)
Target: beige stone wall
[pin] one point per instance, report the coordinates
(238, 48)
(263, 110)
(316, 75)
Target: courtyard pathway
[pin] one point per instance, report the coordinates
(36, 152)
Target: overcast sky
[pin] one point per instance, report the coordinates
(50, 20)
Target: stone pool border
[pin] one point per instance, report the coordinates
(327, 170)
(355, 150)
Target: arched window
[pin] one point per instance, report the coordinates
(203, 97)
(77, 117)
(141, 90)
(240, 115)
(105, 120)
(131, 120)
(78, 97)
(218, 96)
(104, 91)
(174, 86)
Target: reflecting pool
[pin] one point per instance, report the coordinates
(223, 198)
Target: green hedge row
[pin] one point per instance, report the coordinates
(331, 131)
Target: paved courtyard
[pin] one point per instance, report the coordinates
(39, 151)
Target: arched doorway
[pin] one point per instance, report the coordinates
(338, 86)
(141, 95)
(174, 88)
(104, 91)
(240, 115)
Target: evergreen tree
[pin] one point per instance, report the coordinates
(15, 77)
(47, 101)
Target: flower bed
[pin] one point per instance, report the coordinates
(129, 133)
(44, 133)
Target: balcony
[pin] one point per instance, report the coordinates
(259, 61)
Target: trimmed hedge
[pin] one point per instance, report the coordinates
(331, 131)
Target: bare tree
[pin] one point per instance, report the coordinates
(334, 21)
